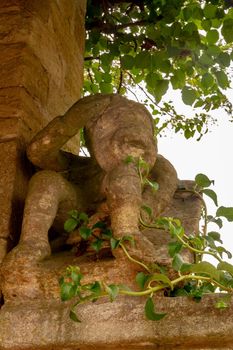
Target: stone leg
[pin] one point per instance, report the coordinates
(20, 272)
(47, 191)
(123, 192)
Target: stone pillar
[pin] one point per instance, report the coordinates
(41, 68)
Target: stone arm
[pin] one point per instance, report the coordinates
(44, 149)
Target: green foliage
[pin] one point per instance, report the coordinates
(186, 45)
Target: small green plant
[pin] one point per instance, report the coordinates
(191, 279)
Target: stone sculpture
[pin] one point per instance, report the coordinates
(114, 129)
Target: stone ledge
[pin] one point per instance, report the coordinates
(117, 325)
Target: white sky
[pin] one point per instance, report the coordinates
(212, 155)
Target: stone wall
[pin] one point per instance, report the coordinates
(41, 60)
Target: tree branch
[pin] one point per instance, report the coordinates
(109, 28)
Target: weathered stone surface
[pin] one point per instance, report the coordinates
(117, 325)
(3, 248)
(42, 52)
(12, 187)
(16, 102)
(13, 129)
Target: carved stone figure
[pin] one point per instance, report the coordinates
(114, 129)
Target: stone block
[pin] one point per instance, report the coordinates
(53, 42)
(41, 64)
(117, 325)
(15, 102)
(14, 69)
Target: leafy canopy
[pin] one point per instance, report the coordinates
(155, 44)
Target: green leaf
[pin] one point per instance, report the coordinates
(107, 234)
(187, 13)
(127, 62)
(189, 95)
(143, 60)
(85, 232)
(212, 36)
(70, 224)
(113, 291)
(174, 248)
(95, 288)
(150, 311)
(67, 291)
(202, 180)
(186, 267)
(128, 238)
(224, 59)
(97, 244)
(211, 194)
(99, 224)
(106, 88)
(74, 214)
(206, 60)
(176, 230)
(221, 304)
(151, 78)
(181, 292)
(141, 279)
(226, 212)
(222, 250)
(148, 210)
(154, 185)
(159, 88)
(216, 221)
(177, 262)
(197, 242)
(178, 80)
(209, 11)
(206, 24)
(159, 277)
(83, 217)
(210, 242)
(227, 30)
(107, 78)
(215, 235)
(225, 267)
(76, 276)
(114, 243)
(222, 79)
(206, 268)
(207, 80)
(73, 316)
(106, 59)
(129, 160)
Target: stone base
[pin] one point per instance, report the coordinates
(118, 325)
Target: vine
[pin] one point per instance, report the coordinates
(191, 279)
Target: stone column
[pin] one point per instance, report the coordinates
(41, 68)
